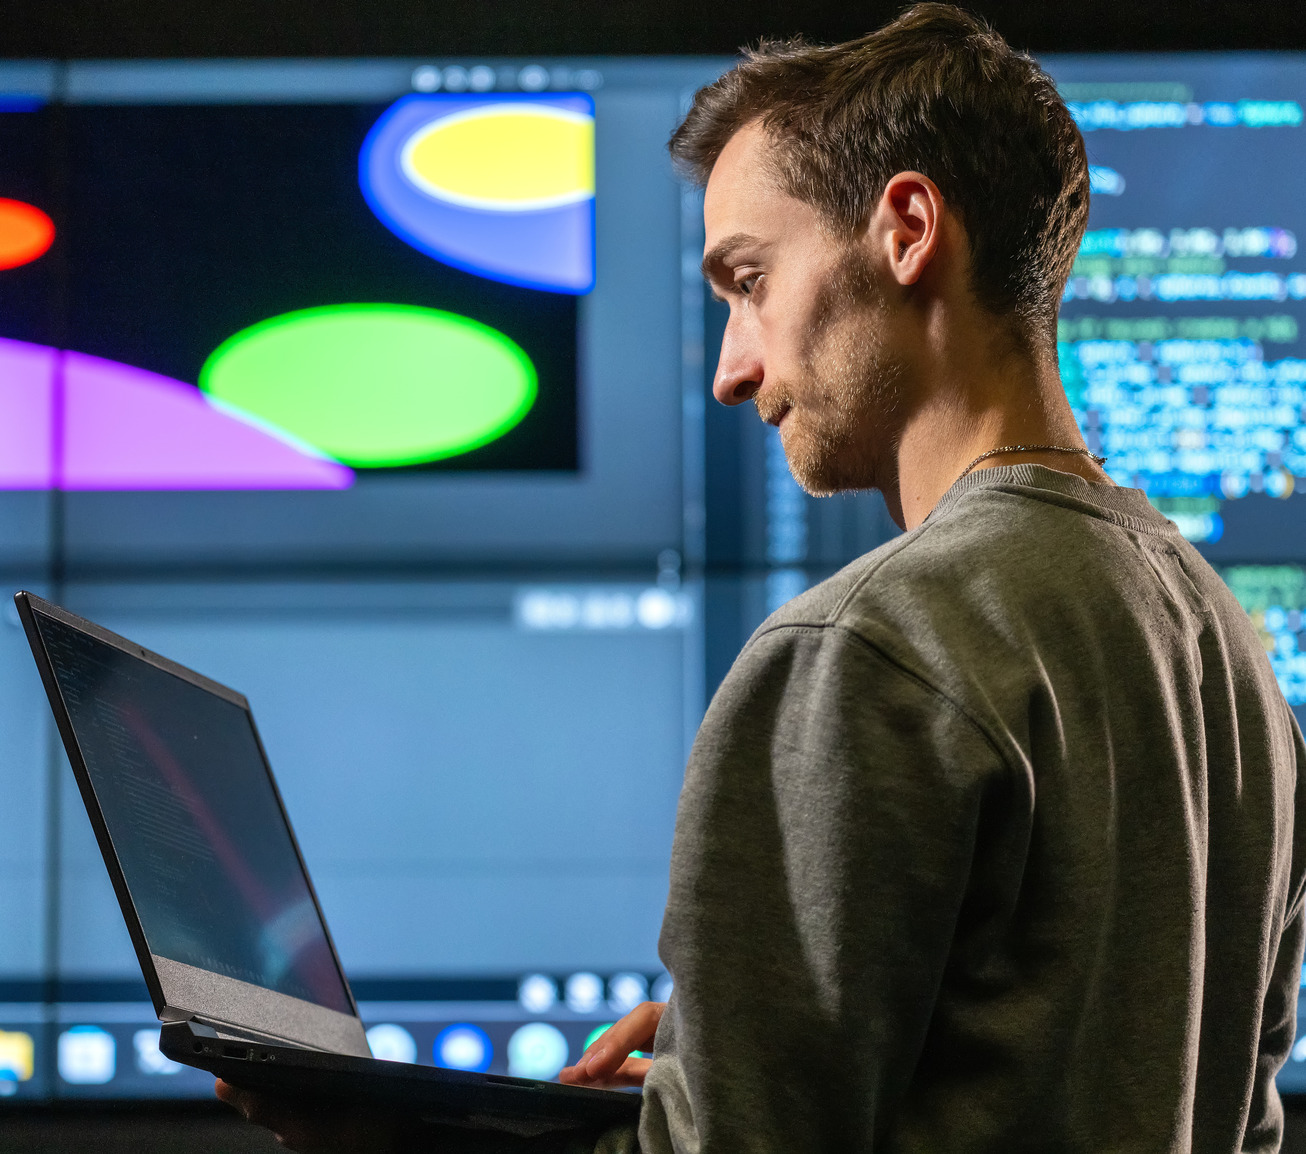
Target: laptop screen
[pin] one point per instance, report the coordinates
(190, 806)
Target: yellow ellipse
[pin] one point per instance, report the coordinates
(504, 157)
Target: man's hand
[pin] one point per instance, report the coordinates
(608, 1061)
(310, 1129)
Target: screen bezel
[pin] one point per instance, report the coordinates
(181, 991)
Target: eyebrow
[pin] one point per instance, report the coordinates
(718, 254)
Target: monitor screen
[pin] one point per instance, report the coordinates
(296, 314)
(197, 828)
(1182, 335)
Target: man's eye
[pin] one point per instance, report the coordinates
(745, 286)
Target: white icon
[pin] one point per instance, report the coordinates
(456, 78)
(87, 1056)
(584, 993)
(603, 609)
(537, 1050)
(626, 991)
(662, 989)
(149, 1058)
(537, 993)
(533, 78)
(391, 1043)
(463, 1047)
(657, 608)
(481, 78)
(426, 78)
(1299, 1051)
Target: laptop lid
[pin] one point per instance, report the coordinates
(195, 836)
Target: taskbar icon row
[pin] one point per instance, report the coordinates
(114, 1054)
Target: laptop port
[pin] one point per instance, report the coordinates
(242, 1052)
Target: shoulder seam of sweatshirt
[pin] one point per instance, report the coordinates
(843, 631)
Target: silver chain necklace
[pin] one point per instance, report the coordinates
(1032, 449)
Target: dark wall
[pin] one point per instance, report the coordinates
(154, 28)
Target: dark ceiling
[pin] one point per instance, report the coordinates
(154, 28)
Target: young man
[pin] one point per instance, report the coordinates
(988, 842)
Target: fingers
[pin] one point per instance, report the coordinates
(608, 1060)
(242, 1101)
(270, 1113)
(631, 1072)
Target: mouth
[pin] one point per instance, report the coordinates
(776, 417)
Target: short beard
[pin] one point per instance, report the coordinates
(840, 436)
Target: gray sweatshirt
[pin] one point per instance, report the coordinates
(987, 843)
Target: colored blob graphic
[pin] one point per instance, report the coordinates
(375, 385)
(25, 233)
(72, 421)
(500, 186)
(504, 158)
(26, 415)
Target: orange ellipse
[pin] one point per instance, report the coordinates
(25, 233)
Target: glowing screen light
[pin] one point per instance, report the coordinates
(537, 1050)
(26, 415)
(463, 1046)
(25, 233)
(499, 186)
(72, 421)
(376, 385)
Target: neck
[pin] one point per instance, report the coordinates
(968, 409)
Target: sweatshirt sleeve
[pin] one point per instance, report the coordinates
(1264, 1131)
(823, 848)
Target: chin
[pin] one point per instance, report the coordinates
(827, 484)
(823, 472)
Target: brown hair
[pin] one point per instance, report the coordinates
(936, 91)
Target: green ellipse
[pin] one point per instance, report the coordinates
(375, 385)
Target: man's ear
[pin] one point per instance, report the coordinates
(906, 227)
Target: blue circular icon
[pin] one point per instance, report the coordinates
(463, 1047)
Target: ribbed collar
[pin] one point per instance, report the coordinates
(1127, 507)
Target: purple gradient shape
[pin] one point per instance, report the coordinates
(124, 427)
(26, 415)
(550, 249)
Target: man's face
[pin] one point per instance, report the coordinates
(806, 339)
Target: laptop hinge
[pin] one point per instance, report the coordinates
(206, 1027)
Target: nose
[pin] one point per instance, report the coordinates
(739, 371)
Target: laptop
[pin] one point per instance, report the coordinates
(216, 896)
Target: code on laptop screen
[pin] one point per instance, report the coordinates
(190, 807)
